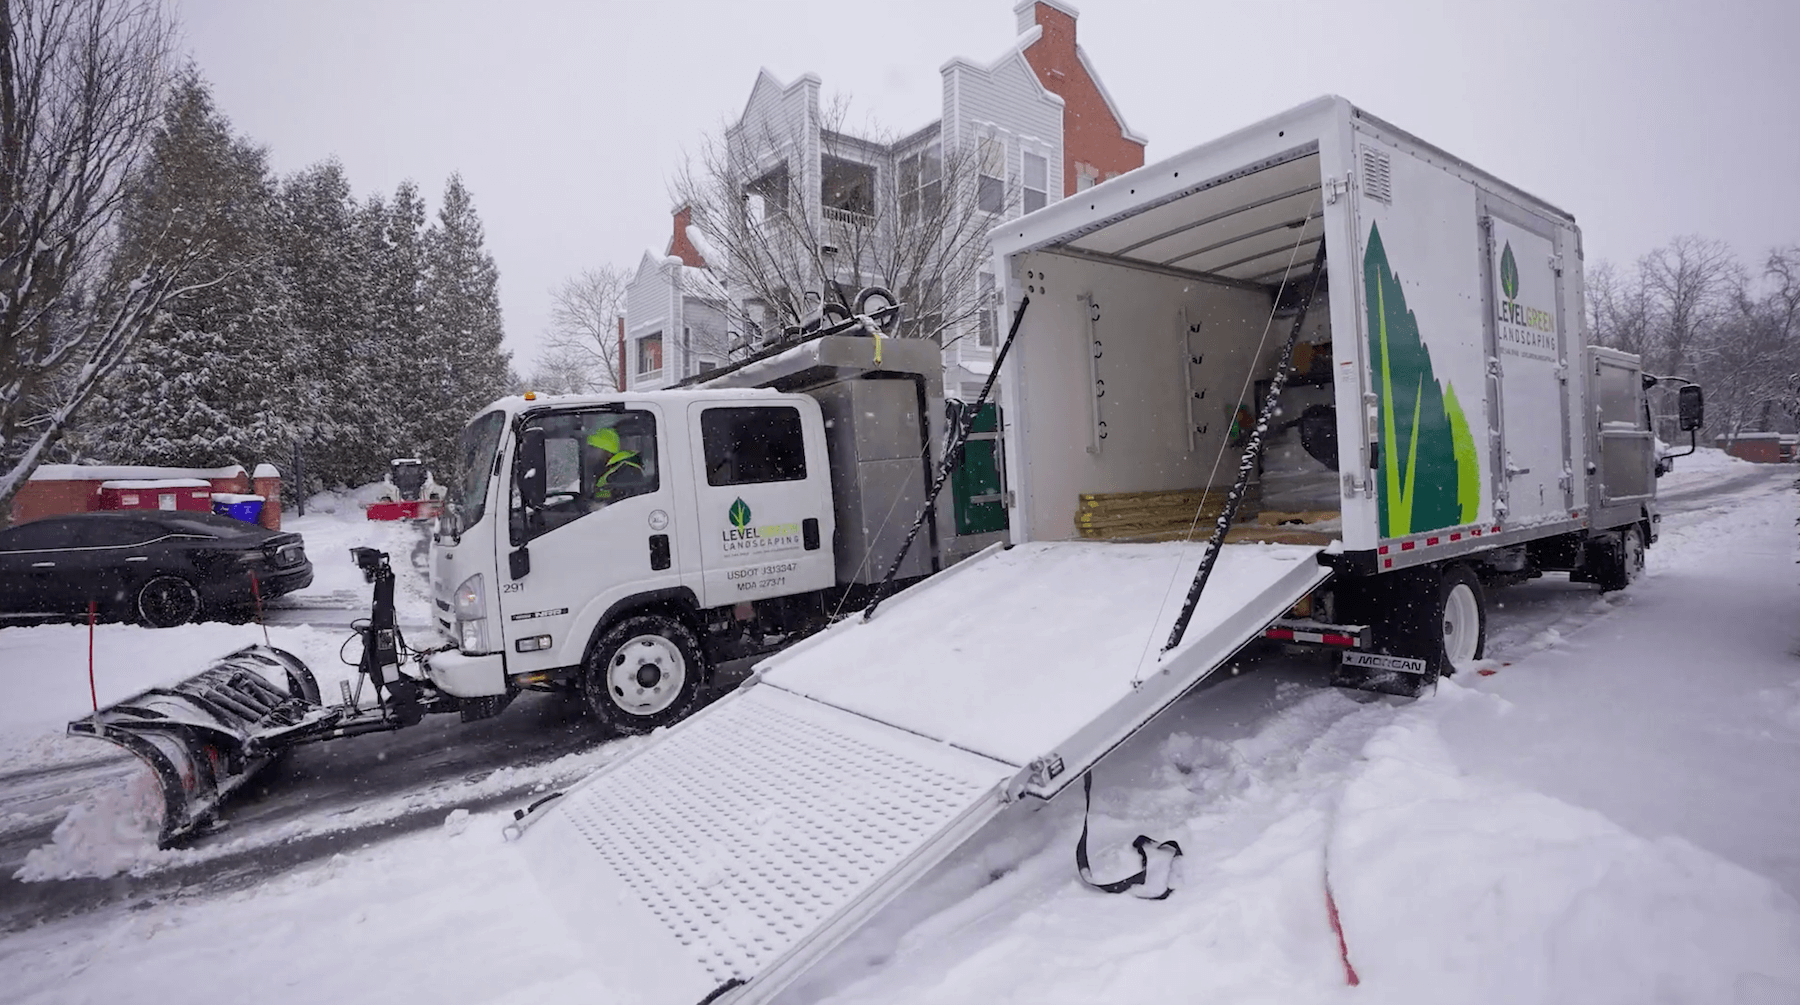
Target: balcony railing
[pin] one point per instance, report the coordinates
(847, 217)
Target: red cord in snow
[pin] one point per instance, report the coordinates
(1337, 928)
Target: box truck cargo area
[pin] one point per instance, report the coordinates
(1441, 424)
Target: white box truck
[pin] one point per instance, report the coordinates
(1446, 424)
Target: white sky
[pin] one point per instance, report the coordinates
(1644, 118)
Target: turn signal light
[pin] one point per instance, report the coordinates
(533, 644)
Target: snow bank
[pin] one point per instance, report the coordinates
(108, 833)
(1446, 881)
(44, 676)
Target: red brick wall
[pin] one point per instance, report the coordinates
(42, 497)
(270, 490)
(45, 498)
(679, 245)
(1090, 132)
(1759, 450)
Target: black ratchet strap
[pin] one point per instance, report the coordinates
(1142, 842)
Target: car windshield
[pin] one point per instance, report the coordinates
(474, 463)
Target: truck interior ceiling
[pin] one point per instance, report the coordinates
(1165, 328)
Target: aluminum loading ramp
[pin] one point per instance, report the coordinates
(727, 854)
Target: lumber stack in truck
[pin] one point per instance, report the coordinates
(1153, 516)
(1169, 515)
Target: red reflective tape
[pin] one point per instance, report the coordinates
(1476, 532)
(1455, 537)
(1430, 541)
(1387, 563)
(1408, 545)
(1280, 633)
(1338, 640)
(1381, 550)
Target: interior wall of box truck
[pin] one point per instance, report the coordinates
(1156, 378)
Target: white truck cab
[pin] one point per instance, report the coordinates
(623, 544)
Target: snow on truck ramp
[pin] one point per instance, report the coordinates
(748, 840)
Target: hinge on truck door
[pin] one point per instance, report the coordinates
(1335, 187)
(1556, 264)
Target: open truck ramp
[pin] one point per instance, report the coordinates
(720, 859)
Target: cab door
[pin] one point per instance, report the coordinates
(764, 496)
(606, 531)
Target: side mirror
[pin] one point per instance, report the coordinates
(1691, 402)
(530, 468)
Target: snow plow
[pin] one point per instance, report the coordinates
(208, 735)
(408, 492)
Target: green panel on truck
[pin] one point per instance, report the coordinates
(977, 476)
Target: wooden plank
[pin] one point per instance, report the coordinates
(1178, 514)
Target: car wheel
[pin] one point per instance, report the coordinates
(642, 673)
(167, 601)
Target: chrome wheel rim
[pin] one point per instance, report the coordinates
(646, 675)
(1462, 624)
(168, 601)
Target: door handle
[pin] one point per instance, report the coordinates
(1512, 472)
(43, 565)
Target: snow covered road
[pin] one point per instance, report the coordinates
(1607, 816)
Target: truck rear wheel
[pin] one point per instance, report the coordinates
(643, 672)
(1435, 614)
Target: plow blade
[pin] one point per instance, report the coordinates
(202, 737)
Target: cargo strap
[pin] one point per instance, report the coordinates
(1159, 891)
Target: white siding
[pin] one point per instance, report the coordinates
(650, 304)
(1004, 100)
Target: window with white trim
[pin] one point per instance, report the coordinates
(1086, 176)
(922, 184)
(1036, 183)
(990, 174)
(984, 309)
(650, 355)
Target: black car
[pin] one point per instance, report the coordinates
(160, 568)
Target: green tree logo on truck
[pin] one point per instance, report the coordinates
(738, 514)
(1430, 478)
(1509, 273)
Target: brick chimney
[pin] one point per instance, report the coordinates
(679, 245)
(1096, 140)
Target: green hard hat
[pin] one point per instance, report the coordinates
(606, 438)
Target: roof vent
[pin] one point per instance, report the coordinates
(1377, 176)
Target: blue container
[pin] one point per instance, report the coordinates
(247, 510)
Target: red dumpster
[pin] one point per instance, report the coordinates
(192, 495)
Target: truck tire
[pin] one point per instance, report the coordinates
(643, 672)
(1435, 614)
(1619, 560)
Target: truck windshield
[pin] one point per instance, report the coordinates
(474, 459)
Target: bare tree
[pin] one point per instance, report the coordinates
(790, 237)
(82, 86)
(582, 343)
(1618, 308)
(1690, 284)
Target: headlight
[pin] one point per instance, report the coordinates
(470, 600)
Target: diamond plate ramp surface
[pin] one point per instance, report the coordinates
(751, 837)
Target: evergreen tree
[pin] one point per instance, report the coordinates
(463, 366)
(201, 385)
(333, 400)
